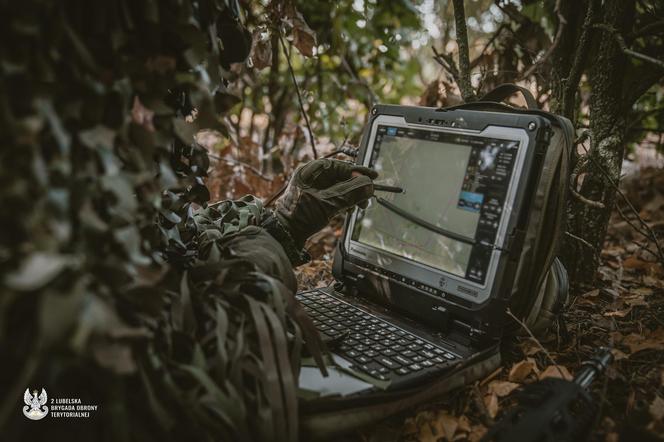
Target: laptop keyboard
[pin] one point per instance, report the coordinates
(375, 346)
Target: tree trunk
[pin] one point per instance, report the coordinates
(600, 168)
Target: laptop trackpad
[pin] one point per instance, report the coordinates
(336, 383)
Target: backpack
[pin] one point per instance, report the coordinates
(541, 286)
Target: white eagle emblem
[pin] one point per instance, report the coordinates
(35, 407)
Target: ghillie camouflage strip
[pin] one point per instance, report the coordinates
(115, 289)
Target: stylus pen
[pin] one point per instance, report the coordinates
(391, 189)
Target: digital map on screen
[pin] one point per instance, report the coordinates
(432, 174)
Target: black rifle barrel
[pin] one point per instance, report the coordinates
(593, 367)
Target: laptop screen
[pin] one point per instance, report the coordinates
(455, 186)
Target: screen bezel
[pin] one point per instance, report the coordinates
(425, 274)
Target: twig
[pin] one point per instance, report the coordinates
(580, 57)
(372, 96)
(651, 234)
(464, 59)
(495, 35)
(539, 344)
(626, 50)
(240, 163)
(584, 242)
(299, 95)
(479, 403)
(586, 201)
(647, 29)
(447, 62)
(562, 22)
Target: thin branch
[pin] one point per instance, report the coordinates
(464, 59)
(584, 242)
(562, 22)
(626, 50)
(235, 162)
(299, 95)
(495, 35)
(651, 234)
(580, 56)
(447, 62)
(539, 344)
(657, 27)
(586, 201)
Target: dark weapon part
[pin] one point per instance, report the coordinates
(391, 189)
(553, 409)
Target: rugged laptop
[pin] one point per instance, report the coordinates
(423, 276)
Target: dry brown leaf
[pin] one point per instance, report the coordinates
(449, 425)
(637, 342)
(502, 388)
(635, 263)
(618, 313)
(619, 355)
(477, 433)
(261, 49)
(304, 38)
(657, 408)
(464, 424)
(521, 370)
(491, 404)
(644, 291)
(530, 348)
(636, 301)
(556, 371)
(141, 115)
(591, 294)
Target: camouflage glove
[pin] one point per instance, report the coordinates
(318, 191)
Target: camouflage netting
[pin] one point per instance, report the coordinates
(114, 289)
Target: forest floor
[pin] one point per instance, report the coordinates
(624, 310)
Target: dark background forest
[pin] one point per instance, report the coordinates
(99, 105)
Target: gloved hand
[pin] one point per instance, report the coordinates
(319, 190)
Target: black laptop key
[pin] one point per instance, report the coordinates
(449, 356)
(371, 353)
(414, 347)
(402, 360)
(415, 367)
(427, 354)
(387, 362)
(402, 341)
(418, 358)
(388, 352)
(363, 359)
(402, 371)
(408, 353)
(426, 363)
